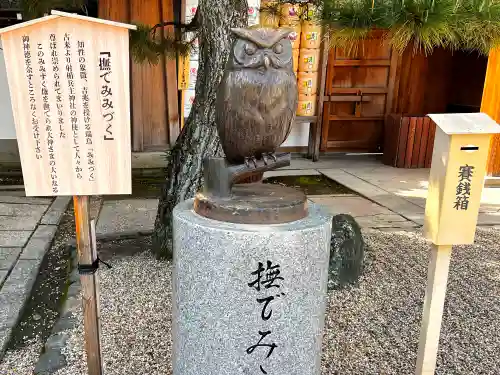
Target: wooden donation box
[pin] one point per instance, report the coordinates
(457, 176)
(69, 84)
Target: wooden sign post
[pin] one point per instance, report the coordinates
(69, 85)
(456, 181)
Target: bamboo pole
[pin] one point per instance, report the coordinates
(86, 258)
(437, 278)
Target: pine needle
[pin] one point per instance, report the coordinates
(422, 25)
(142, 46)
(146, 48)
(38, 8)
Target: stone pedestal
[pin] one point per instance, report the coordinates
(249, 299)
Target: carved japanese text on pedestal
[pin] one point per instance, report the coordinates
(68, 80)
(267, 282)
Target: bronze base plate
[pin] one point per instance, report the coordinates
(255, 203)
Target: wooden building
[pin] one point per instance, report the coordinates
(375, 100)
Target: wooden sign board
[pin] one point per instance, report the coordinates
(183, 76)
(456, 178)
(69, 84)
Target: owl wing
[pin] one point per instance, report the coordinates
(237, 116)
(292, 97)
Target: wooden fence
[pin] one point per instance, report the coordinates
(408, 141)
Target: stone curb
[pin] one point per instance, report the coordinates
(52, 359)
(56, 210)
(108, 237)
(16, 289)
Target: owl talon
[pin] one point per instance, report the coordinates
(272, 156)
(251, 159)
(254, 161)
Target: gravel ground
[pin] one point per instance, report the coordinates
(135, 315)
(21, 361)
(371, 328)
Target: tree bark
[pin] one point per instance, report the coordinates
(199, 137)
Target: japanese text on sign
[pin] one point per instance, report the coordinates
(72, 106)
(69, 89)
(52, 112)
(31, 93)
(266, 278)
(463, 188)
(47, 118)
(106, 94)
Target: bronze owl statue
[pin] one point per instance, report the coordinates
(257, 97)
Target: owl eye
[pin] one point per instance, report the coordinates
(278, 48)
(250, 49)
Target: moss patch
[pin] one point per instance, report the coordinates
(311, 185)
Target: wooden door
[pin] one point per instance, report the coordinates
(358, 89)
(154, 96)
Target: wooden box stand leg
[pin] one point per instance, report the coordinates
(435, 293)
(86, 256)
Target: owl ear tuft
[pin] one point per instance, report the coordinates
(241, 32)
(284, 32)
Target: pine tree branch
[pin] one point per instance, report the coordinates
(184, 27)
(144, 47)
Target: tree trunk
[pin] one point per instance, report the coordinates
(199, 137)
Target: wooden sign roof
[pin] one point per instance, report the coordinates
(56, 14)
(465, 123)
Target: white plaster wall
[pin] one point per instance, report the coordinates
(7, 128)
(299, 135)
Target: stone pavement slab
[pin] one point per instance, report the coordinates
(13, 223)
(404, 191)
(9, 198)
(3, 276)
(127, 216)
(8, 257)
(21, 209)
(396, 204)
(14, 238)
(355, 206)
(292, 172)
(368, 214)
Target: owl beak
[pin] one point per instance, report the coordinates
(267, 62)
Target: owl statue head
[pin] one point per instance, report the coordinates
(265, 49)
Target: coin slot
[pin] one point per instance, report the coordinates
(469, 148)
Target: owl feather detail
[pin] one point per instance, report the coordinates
(257, 97)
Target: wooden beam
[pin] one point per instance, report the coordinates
(437, 278)
(393, 86)
(86, 257)
(315, 129)
(362, 62)
(171, 92)
(356, 90)
(354, 118)
(348, 98)
(490, 105)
